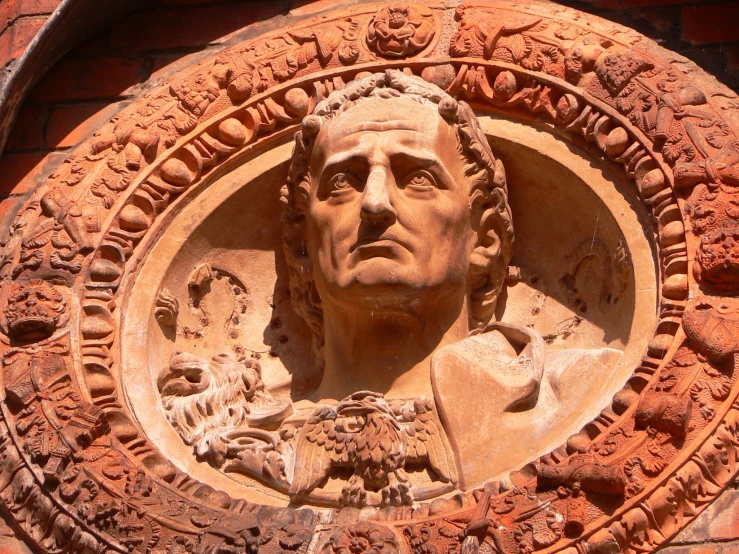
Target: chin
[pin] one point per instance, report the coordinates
(380, 281)
(384, 272)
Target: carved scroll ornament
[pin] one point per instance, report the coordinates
(77, 474)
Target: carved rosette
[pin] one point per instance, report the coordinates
(362, 538)
(400, 30)
(78, 474)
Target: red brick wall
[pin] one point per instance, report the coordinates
(91, 83)
(20, 20)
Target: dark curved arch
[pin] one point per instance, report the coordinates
(72, 22)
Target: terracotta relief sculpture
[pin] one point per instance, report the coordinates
(398, 234)
(400, 30)
(396, 222)
(275, 304)
(215, 404)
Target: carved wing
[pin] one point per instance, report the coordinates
(316, 450)
(426, 439)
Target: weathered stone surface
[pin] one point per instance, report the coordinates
(206, 326)
(719, 522)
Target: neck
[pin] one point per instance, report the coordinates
(386, 351)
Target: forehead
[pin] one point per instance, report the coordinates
(395, 121)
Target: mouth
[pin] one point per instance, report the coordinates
(353, 408)
(184, 377)
(385, 240)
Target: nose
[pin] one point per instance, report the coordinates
(376, 205)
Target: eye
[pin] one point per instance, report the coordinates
(420, 180)
(340, 182)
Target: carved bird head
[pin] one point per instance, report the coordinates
(322, 413)
(363, 403)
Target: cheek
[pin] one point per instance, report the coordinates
(451, 224)
(330, 229)
(454, 237)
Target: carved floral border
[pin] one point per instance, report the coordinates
(77, 474)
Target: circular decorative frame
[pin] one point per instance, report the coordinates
(77, 474)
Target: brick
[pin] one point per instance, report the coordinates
(711, 23)
(663, 20)
(164, 64)
(6, 46)
(10, 10)
(659, 23)
(15, 38)
(720, 521)
(731, 54)
(8, 13)
(18, 171)
(94, 47)
(24, 29)
(37, 7)
(70, 125)
(311, 7)
(28, 130)
(89, 79)
(709, 58)
(188, 27)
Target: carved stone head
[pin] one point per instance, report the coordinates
(394, 196)
(35, 310)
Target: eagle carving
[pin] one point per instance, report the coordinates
(363, 435)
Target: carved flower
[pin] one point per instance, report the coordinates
(362, 538)
(607, 447)
(398, 30)
(180, 545)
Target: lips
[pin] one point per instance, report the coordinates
(186, 375)
(385, 239)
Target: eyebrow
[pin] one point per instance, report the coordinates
(425, 160)
(343, 157)
(401, 125)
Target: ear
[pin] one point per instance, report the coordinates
(488, 267)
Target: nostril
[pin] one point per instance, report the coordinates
(378, 214)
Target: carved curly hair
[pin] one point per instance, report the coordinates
(491, 214)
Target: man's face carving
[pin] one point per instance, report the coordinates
(389, 218)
